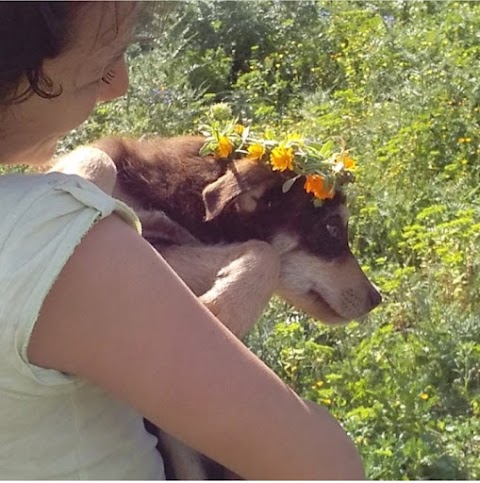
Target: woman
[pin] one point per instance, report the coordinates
(96, 331)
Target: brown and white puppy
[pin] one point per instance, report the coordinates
(228, 202)
(234, 237)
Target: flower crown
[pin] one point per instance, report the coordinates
(327, 166)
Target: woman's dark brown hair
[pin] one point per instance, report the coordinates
(31, 32)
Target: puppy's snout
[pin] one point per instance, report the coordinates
(374, 298)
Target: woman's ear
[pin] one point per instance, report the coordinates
(115, 82)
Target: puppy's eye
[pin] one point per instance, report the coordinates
(271, 203)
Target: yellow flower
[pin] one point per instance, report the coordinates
(255, 152)
(346, 161)
(294, 138)
(326, 401)
(239, 128)
(225, 147)
(281, 158)
(316, 184)
(360, 439)
(464, 140)
(424, 396)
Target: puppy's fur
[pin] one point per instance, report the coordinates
(234, 237)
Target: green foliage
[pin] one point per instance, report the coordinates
(399, 82)
(407, 394)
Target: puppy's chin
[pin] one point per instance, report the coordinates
(316, 306)
(313, 304)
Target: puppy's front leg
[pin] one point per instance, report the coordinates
(243, 288)
(181, 461)
(234, 281)
(90, 163)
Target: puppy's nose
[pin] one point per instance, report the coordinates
(374, 298)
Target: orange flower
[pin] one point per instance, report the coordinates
(281, 158)
(255, 152)
(348, 162)
(316, 184)
(225, 147)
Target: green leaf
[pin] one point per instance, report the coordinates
(289, 183)
(327, 148)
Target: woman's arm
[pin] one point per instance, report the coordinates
(121, 318)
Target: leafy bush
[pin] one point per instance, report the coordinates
(399, 82)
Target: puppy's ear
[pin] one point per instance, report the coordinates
(244, 183)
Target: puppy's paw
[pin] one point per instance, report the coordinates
(89, 163)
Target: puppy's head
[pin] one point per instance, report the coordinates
(319, 274)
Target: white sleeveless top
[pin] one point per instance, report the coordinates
(55, 426)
